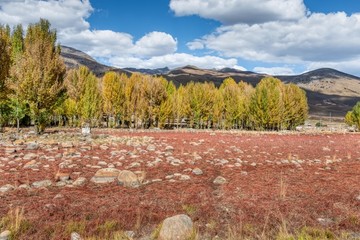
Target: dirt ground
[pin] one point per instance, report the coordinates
(272, 180)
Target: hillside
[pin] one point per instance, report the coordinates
(74, 58)
(330, 92)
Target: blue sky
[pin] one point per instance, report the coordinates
(270, 36)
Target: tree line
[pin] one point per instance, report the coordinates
(35, 86)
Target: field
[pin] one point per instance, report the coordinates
(275, 186)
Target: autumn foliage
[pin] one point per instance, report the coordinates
(33, 83)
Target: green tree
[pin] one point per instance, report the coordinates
(90, 104)
(113, 95)
(5, 63)
(266, 107)
(352, 118)
(295, 106)
(40, 73)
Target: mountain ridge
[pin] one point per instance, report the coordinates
(329, 91)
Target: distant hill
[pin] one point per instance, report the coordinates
(330, 92)
(74, 58)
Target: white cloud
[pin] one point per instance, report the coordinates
(155, 44)
(69, 17)
(275, 70)
(195, 45)
(63, 14)
(241, 11)
(316, 38)
(176, 60)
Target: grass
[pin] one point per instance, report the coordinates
(15, 222)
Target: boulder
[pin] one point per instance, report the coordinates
(43, 183)
(127, 178)
(105, 175)
(219, 180)
(6, 188)
(178, 227)
(5, 235)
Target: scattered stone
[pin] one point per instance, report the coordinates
(129, 234)
(102, 163)
(31, 165)
(325, 221)
(80, 181)
(6, 188)
(62, 176)
(105, 175)
(5, 235)
(169, 149)
(43, 183)
(178, 227)
(30, 156)
(185, 177)
(219, 180)
(32, 146)
(75, 236)
(197, 171)
(127, 178)
(151, 147)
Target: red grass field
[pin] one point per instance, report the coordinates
(273, 180)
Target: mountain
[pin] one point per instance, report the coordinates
(74, 58)
(156, 71)
(329, 92)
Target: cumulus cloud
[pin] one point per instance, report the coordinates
(155, 44)
(317, 38)
(176, 60)
(241, 11)
(274, 70)
(195, 45)
(63, 14)
(69, 17)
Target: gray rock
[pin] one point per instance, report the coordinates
(151, 147)
(178, 227)
(32, 146)
(127, 178)
(105, 175)
(6, 188)
(219, 180)
(31, 165)
(75, 236)
(80, 181)
(5, 235)
(43, 183)
(197, 171)
(185, 177)
(30, 156)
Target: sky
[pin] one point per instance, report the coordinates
(268, 36)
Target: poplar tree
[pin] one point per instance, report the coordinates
(113, 94)
(40, 73)
(5, 63)
(352, 117)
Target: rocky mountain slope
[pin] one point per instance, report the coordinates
(330, 92)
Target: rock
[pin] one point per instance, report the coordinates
(325, 221)
(30, 156)
(6, 188)
(219, 180)
(129, 234)
(105, 175)
(127, 178)
(32, 146)
(5, 235)
(178, 227)
(185, 177)
(197, 171)
(62, 176)
(31, 165)
(151, 147)
(169, 149)
(80, 181)
(43, 183)
(75, 236)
